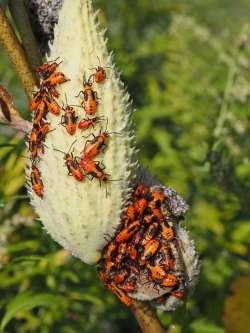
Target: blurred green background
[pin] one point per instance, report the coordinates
(186, 65)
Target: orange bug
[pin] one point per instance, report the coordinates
(140, 206)
(141, 191)
(93, 147)
(72, 165)
(109, 266)
(167, 232)
(156, 271)
(100, 73)
(120, 276)
(121, 252)
(36, 99)
(166, 257)
(132, 252)
(148, 219)
(120, 294)
(36, 181)
(35, 144)
(40, 112)
(93, 169)
(158, 198)
(109, 252)
(45, 70)
(150, 233)
(125, 234)
(177, 293)
(54, 79)
(170, 280)
(138, 236)
(131, 212)
(149, 250)
(52, 106)
(155, 212)
(88, 122)
(69, 120)
(128, 286)
(90, 98)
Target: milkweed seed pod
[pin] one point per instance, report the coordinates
(81, 214)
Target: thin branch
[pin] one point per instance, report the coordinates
(19, 13)
(16, 54)
(146, 318)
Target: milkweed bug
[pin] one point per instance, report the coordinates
(150, 233)
(90, 98)
(128, 286)
(138, 236)
(166, 257)
(127, 233)
(36, 181)
(156, 271)
(45, 70)
(53, 80)
(120, 276)
(72, 165)
(170, 280)
(109, 252)
(36, 99)
(140, 206)
(141, 191)
(88, 122)
(148, 251)
(177, 293)
(120, 294)
(93, 169)
(131, 212)
(121, 253)
(100, 73)
(69, 119)
(157, 198)
(35, 143)
(167, 232)
(40, 112)
(52, 106)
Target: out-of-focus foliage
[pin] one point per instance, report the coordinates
(189, 78)
(237, 307)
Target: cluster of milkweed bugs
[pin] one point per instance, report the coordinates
(43, 102)
(142, 244)
(85, 166)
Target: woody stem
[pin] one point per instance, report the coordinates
(146, 318)
(16, 54)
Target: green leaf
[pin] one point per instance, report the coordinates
(27, 301)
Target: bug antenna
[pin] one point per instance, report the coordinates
(66, 99)
(59, 150)
(72, 145)
(80, 92)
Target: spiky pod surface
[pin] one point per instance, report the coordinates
(79, 215)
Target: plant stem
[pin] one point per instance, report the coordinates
(16, 54)
(146, 318)
(19, 13)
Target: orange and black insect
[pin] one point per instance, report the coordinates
(36, 181)
(122, 248)
(131, 212)
(167, 232)
(166, 257)
(100, 73)
(45, 70)
(140, 206)
(52, 81)
(127, 233)
(150, 233)
(141, 191)
(90, 99)
(170, 280)
(35, 143)
(37, 98)
(93, 147)
(157, 199)
(156, 271)
(148, 251)
(52, 106)
(120, 276)
(72, 165)
(120, 294)
(93, 169)
(89, 122)
(69, 119)
(110, 251)
(128, 286)
(138, 236)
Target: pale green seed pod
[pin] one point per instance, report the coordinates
(79, 215)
